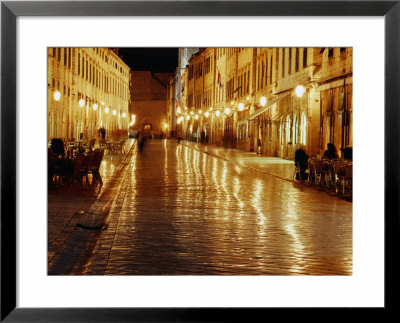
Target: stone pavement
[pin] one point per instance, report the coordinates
(74, 213)
(278, 167)
(76, 206)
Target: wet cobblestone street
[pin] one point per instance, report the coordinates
(176, 210)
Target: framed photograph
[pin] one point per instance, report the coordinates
(37, 34)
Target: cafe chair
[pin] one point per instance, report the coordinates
(94, 167)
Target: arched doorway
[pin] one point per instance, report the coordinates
(146, 127)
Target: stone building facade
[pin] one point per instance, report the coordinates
(88, 89)
(150, 102)
(269, 100)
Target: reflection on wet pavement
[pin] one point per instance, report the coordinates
(180, 211)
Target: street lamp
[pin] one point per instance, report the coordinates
(217, 113)
(57, 95)
(263, 101)
(227, 111)
(95, 107)
(206, 114)
(241, 106)
(81, 103)
(299, 91)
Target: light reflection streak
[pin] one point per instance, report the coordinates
(224, 186)
(165, 162)
(290, 225)
(258, 188)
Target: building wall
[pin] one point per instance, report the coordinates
(91, 81)
(266, 115)
(149, 100)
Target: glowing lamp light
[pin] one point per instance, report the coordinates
(263, 101)
(206, 114)
(217, 113)
(196, 116)
(187, 117)
(107, 109)
(200, 111)
(123, 115)
(179, 110)
(114, 112)
(227, 111)
(57, 95)
(95, 106)
(241, 107)
(81, 103)
(299, 91)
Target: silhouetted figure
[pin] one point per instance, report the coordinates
(202, 137)
(331, 152)
(57, 146)
(347, 153)
(301, 160)
(141, 141)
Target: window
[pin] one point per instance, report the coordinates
(248, 81)
(297, 60)
(283, 62)
(262, 74)
(191, 68)
(303, 130)
(79, 63)
(288, 129)
(207, 65)
(270, 70)
(330, 53)
(304, 57)
(290, 61)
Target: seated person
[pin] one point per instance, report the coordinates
(347, 153)
(331, 152)
(301, 159)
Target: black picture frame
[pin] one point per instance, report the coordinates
(10, 10)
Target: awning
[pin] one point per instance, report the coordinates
(268, 105)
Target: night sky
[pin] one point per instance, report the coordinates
(162, 60)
